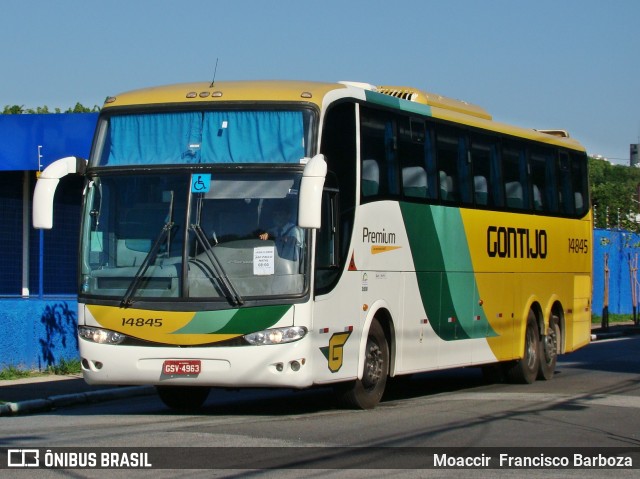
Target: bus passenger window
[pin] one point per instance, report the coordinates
(537, 198)
(545, 188)
(446, 187)
(480, 190)
(414, 182)
(453, 163)
(579, 180)
(370, 178)
(486, 171)
(515, 177)
(447, 159)
(411, 153)
(378, 152)
(515, 198)
(567, 198)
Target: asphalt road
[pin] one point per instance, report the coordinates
(593, 401)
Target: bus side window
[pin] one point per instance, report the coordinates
(370, 183)
(447, 160)
(411, 153)
(513, 192)
(579, 180)
(515, 178)
(454, 167)
(568, 200)
(414, 182)
(481, 190)
(543, 177)
(376, 151)
(485, 165)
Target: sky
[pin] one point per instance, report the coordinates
(545, 64)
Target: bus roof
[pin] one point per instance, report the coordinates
(407, 98)
(431, 99)
(268, 90)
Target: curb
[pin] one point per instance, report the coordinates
(65, 400)
(615, 333)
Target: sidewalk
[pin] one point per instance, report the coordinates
(615, 330)
(46, 393)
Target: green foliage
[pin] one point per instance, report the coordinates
(21, 110)
(63, 367)
(613, 318)
(12, 372)
(79, 108)
(614, 194)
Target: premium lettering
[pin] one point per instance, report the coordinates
(378, 237)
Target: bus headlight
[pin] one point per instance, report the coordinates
(276, 335)
(100, 336)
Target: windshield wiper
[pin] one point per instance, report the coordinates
(127, 299)
(225, 282)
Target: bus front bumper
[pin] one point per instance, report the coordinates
(283, 365)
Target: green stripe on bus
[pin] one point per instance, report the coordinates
(397, 103)
(235, 321)
(444, 271)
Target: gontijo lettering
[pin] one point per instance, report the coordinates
(508, 242)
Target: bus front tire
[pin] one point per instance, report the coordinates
(183, 398)
(525, 370)
(366, 393)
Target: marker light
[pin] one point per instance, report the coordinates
(100, 336)
(276, 335)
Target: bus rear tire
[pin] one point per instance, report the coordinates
(549, 350)
(366, 393)
(183, 398)
(525, 370)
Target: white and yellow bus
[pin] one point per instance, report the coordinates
(299, 234)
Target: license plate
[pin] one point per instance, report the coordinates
(184, 367)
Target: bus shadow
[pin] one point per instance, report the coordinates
(318, 400)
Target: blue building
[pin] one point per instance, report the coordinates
(38, 307)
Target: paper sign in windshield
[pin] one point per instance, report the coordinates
(264, 260)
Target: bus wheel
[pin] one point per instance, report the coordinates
(183, 398)
(525, 370)
(366, 393)
(549, 350)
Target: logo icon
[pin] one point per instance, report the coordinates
(23, 458)
(335, 351)
(200, 183)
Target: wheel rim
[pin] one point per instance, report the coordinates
(373, 366)
(531, 355)
(550, 346)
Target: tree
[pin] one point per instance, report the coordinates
(13, 110)
(20, 109)
(79, 108)
(614, 194)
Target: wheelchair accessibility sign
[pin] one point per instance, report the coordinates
(200, 183)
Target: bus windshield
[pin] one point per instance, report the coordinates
(204, 137)
(213, 236)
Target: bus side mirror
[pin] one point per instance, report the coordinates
(310, 199)
(46, 188)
